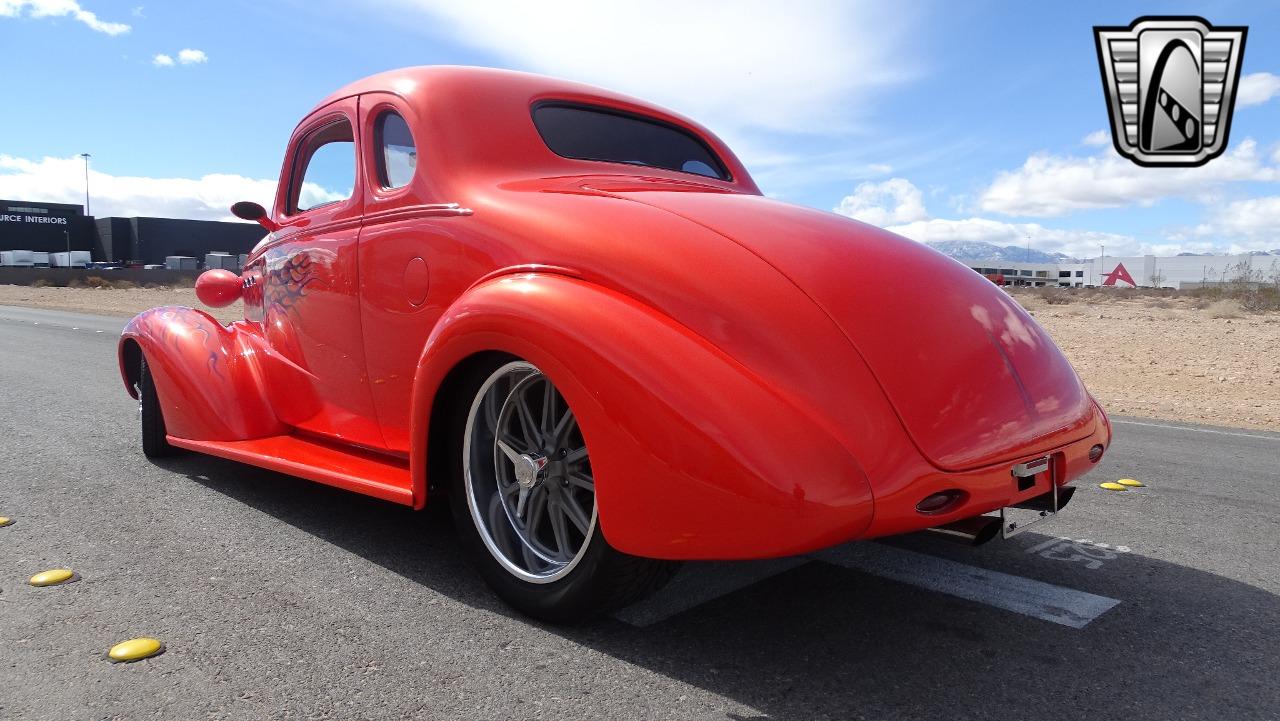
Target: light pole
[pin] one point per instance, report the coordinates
(86, 185)
(1102, 262)
(68, 234)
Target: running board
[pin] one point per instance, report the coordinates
(344, 467)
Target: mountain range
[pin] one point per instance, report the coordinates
(980, 250)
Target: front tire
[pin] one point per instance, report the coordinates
(524, 501)
(154, 436)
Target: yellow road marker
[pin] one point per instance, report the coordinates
(1112, 486)
(5, 521)
(54, 577)
(1131, 482)
(135, 649)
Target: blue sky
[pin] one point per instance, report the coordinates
(964, 121)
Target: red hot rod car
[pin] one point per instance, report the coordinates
(574, 315)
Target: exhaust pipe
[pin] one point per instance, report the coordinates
(973, 531)
(977, 530)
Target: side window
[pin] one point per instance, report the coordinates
(397, 156)
(326, 167)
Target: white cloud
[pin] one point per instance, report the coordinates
(61, 180)
(1051, 185)
(731, 64)
(186, 56)
(60, 8)
(1257, 88)
(1254, 218)
(898, 206)
(313, 194)
(189, 56)
(1097, 137)
(891, 202)
(1077, 243)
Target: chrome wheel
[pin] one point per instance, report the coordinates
(527, 475)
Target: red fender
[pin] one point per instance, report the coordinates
(682, 466)
(208, 375)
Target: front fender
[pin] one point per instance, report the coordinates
(205, 373)
(694, 455)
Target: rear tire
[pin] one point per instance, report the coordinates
(154, 435)
(546, 557)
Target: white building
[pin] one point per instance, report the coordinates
(1129, 271)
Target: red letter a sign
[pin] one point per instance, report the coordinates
(1118, 274)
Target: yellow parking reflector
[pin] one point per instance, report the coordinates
(1131, 482)
(135, 649)
(1112, 486)
(5, 521)
(53, 577)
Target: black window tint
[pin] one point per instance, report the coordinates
(397, 156)
(592, 134)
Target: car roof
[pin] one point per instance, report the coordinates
(413, 82)
(475, 97)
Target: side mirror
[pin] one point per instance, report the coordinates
(218, 288)
(249, 210)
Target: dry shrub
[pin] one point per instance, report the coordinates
(1260, 300)
(183, 282)
(1225, 308)
(1029, 301)
(122, 284)
(1124, 294)
(1056, 296)
(43, 283)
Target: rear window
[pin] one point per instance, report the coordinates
(585, 133)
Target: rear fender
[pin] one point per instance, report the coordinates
(206, 374)
(694, 456)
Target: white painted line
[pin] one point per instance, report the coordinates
(1056, 604)
(699, 583)
(1197, 430)
(1052, 541)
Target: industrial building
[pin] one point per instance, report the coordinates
(59, 227)
(1148, 271)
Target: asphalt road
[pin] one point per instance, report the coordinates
(279, 598)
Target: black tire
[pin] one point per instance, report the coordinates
(604, 579)
(154, 442)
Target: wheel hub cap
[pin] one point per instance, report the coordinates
(527, 470)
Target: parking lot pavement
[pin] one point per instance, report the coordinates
(279, 598)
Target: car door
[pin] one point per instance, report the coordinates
(416, 255)
(310, 283)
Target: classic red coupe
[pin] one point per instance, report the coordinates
(573, 314)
